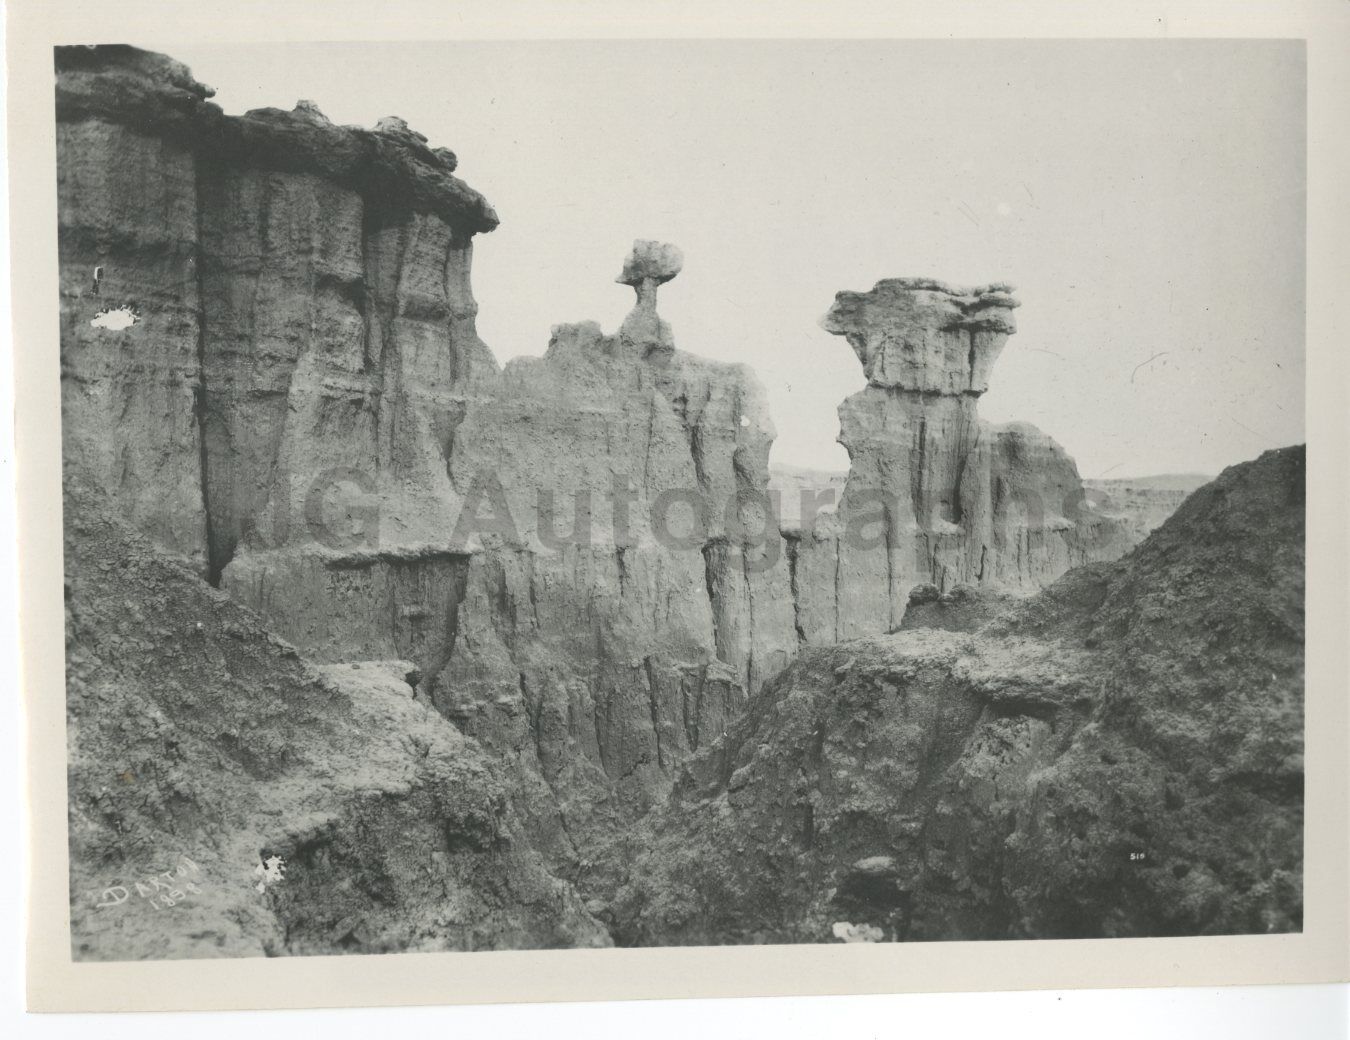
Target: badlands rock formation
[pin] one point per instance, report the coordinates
(1120, 755)
(934, 495)
(301, 301)
(1141, 504)
(303, 409)
(270, 367)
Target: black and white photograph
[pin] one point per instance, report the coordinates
(583, 494)
(398, 625)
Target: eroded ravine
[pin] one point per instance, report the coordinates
(304, 411)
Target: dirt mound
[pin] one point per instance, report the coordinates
(1120, 755)
(965, 608)
(264, 805)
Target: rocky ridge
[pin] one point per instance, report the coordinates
(1119, 755)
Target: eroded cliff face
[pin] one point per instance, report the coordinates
(299, 294)
(302, 407)
(569, 616)
(935, 495)
(575, 552)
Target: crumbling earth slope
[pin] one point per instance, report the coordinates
(1120, 755)
(228, 798)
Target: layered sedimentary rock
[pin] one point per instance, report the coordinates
(608, 628)
(301, 301)
(127, 207)
(935, 495)
(1141, 504)
(581, 613)
(574, 552)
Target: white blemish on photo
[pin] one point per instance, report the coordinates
(269, 872)
(116, 319)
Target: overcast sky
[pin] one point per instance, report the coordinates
(1146, 198)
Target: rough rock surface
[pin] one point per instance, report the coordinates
(962, 609)
(925, 336)
(301, 300)
(298, 404)
(1120, 755)
(934, 495)
(593, 644)
(303, 409)
(202, 747)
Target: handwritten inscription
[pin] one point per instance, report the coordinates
(165, 889)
